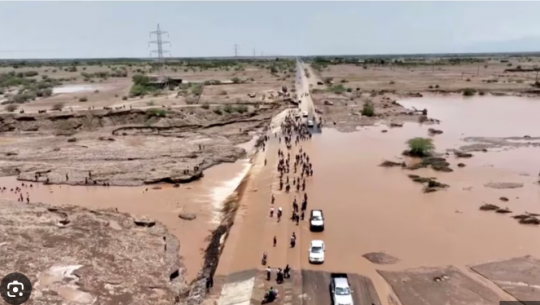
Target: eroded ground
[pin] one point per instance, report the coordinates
(89, 256)
(127, 147)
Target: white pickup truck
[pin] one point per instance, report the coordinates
(340, 289)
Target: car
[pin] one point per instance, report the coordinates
(304, 114)
(316, 252)
(316, 220)
(297, 115)
(340, 289)
(309, 123)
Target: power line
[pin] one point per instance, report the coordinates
(159, 42)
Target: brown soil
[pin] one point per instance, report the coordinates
(125, 147)
(423, 286)
(112, 91)
(380, 258)
(83, 258)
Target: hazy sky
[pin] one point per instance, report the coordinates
(120, 29)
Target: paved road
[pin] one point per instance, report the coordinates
(316, 286)
(302, 91)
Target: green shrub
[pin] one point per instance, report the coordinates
(218, 111)
(58, 106)
(469, 92)
(205, 106)
(368, 109)
(241, 108)
(338, 89)
(156, 112)
(420, 147)
(83, 99)
(228, 108)
(197, 89)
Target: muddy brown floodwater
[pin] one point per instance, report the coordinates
(203, 198)
(370, 208)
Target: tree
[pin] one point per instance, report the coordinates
(141, 80)
(420, 147)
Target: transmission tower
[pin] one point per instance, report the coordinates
(235, 50)
(159, 42)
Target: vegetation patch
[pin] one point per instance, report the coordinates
(420, 147)
(157, 112)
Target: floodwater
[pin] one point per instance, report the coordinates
(203, 198)
(370, 209)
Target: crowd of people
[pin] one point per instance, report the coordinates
(294, 168)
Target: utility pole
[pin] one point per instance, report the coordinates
(159, 42)
(254, 53)
(235, 50)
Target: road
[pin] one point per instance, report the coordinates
(316, 278)
(302, 91)
(240, 270)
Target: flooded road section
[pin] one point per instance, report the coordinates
(202, 198)
(369, 208)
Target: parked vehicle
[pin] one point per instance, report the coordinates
(316, 252)
(340, 289)
(310, 123)
(316, 220)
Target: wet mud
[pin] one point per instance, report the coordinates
(519, 277)
(448, 285)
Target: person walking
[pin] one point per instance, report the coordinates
(268, 273)
(275, 241)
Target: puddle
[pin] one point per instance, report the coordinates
(75, 89)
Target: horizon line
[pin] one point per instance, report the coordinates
(282, 56)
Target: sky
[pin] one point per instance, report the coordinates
(204, 29)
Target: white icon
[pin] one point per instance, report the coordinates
(15, 287)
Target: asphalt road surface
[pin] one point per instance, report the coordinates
(316, 287)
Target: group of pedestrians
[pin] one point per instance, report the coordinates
(294, 168)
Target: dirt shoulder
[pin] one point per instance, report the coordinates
(90, 256)
(126, 147)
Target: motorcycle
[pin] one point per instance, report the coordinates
(270, 297)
